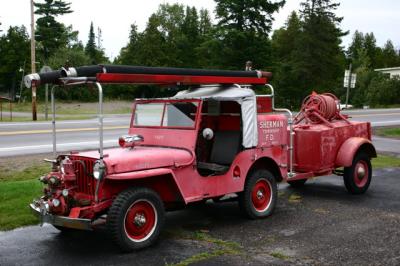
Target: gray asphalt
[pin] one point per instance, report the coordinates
(320, 224)
(33, 143)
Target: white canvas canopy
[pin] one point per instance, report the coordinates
(245, 97)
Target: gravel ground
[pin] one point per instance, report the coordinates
(320, 224)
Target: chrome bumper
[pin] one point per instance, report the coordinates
(45, 217)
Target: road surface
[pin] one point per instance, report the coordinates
(320, 224)
(36, 137)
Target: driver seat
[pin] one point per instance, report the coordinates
(225, 147)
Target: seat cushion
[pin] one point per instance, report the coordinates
(225, 147)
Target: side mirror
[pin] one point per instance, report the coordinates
(129, 140)
(208, 133)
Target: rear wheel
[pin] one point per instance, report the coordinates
(258, 199)
(135, 218)
(358, 176)
(297, 183)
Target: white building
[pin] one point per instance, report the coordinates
(392, 71)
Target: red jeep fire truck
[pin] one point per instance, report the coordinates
(216, 137)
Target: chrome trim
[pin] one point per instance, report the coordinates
(291, 173)
(28, 79)
(76, 223)
(53, 121)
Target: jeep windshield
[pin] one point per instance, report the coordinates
(166, 114)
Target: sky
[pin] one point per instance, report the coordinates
(115, 17)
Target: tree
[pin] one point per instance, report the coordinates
(285, 43)
(389, 55)
(242, 32)
(95, 53)
(14, 51)
(247, 15)
(51, 34)
(319, 58)
(356, 46)
(372, 50)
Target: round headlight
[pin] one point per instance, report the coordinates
(56, 202)
(98, 170)
(96, 174)
(65, 192)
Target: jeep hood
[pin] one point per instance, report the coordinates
(120, 160)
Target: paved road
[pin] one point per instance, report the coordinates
(320, 224)
(35, 137)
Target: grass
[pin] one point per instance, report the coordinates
(40, 118)
(388, 132)
(17, 189)
(385, 161)
(279, 255)
(14, 199)
(222, 247)
(78, 108)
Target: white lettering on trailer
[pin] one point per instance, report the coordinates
(271, 124)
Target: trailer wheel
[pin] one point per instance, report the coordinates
(258, 199)
(358, 176)
(135, 218)
(297, 183)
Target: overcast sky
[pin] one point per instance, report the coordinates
(115, 17)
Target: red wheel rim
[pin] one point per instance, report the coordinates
(361, 174)
(140, 220)
(261, 195)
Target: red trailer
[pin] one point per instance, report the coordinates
(215, 138)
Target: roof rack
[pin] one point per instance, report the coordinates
(118, 74)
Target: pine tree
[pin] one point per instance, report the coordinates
(389, 55)
(50, 33)
(319, 58)
(244, 15)
(90, 48)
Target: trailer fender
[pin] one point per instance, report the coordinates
(162, 180)
(349, 149)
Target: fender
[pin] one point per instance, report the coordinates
(147, 174)
(349, 149)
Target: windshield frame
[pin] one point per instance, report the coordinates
(166, 101)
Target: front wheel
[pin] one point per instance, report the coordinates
(258, 199)
(358, 176)
(135, 218)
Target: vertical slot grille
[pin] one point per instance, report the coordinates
(84, 177)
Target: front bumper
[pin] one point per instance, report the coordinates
(45, 217)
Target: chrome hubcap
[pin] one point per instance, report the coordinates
(260, 194)
(361, 172)
(139, 220)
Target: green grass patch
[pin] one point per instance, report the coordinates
(384, 161)
(78, 108)
(40, 118)
(17, 189)
(14, 199)
(222, 247)
(388, 132)
(294, 198)
(279, 255)
(8, 174)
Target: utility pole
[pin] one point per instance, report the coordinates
(33, 62)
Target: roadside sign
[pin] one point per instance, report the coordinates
(346, 79)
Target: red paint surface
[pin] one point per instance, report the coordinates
(175, 79)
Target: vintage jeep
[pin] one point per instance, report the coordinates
(215, 138)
